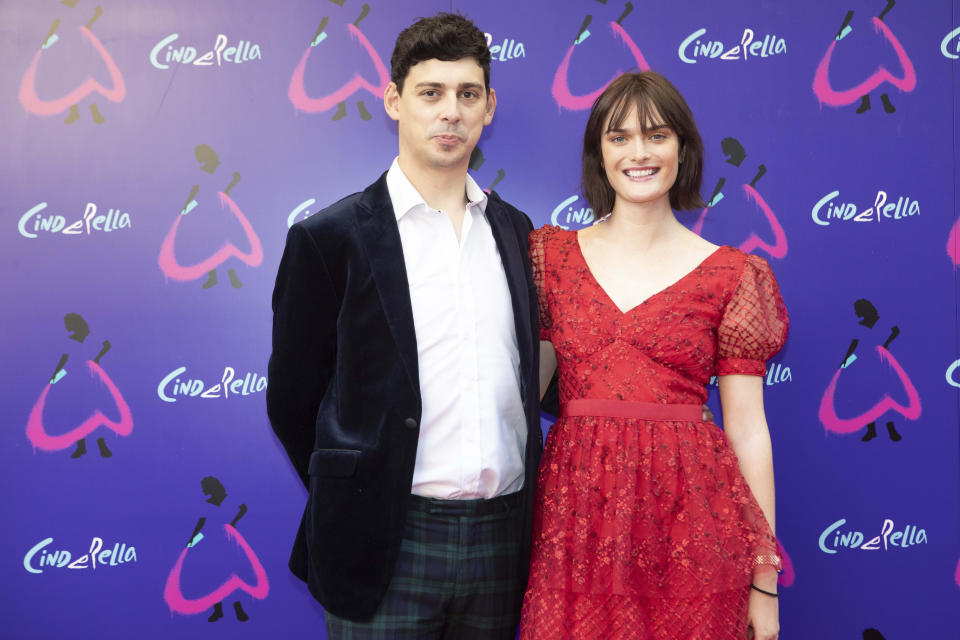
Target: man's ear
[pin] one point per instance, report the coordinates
(391, 101)
(490, 108)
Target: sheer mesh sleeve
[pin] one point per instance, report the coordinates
(755, 322)
(537, 239)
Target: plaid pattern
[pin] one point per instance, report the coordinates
(457, 576)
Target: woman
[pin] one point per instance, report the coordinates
(651, 523)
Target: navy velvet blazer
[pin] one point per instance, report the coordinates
(343, 394)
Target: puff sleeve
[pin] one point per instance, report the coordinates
(537, 241)
(754, 324)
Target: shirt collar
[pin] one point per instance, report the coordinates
(405, 196)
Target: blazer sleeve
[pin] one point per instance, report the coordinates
(302, 360)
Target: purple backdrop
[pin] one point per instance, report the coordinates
(150, 145)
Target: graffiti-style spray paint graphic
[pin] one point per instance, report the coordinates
(880, 358)
(230, 538)
(209, 162)
(476, 161)
(38, 433)
(788, 575)
(838, 98)
(953, 244)
(297, 91)
(561, 87)
(735, 156)
(71, 100)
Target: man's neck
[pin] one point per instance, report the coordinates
(442, 189)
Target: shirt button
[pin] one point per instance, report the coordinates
(410, 423)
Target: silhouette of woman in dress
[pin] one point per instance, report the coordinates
(37, 432)
(879, 76)
(28, 92)
(167, 260)
(79, 329)
(173, 594)
(868, 318)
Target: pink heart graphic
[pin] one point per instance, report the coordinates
(298, 94)
(175, 599)
(561, 89)
(832, 422)
(173, 269)
(827, 94)
(33, 104)
(38, 435)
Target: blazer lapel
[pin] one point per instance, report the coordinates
(381, 237)
(511, 255)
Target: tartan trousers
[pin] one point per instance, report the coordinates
(457, 575)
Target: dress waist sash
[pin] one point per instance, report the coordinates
(627, 409)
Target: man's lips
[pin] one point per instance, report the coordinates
(447, 138)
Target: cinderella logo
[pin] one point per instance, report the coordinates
(36, 105)
(297, 91)
(837, 536)
(858, 377)
(906, 81)
(44, 436)
(173, 268)
(42, 555)
(561, 87)
(750, 45)
(190, 588)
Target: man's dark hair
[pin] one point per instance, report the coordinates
(445, 36)
(657, 102)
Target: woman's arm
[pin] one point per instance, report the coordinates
(745, 426)
(548, 364)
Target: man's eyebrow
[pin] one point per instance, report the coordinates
(440, 85)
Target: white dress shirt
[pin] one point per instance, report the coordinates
(472, 431)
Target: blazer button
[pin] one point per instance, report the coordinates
(410, 423)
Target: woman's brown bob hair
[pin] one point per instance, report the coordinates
(658, 102)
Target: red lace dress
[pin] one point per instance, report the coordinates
(645, 528)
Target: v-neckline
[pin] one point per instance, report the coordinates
(583, 259)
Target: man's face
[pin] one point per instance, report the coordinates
(441, 113)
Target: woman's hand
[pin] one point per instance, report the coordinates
(763, 616)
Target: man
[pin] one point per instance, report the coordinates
(403, 379)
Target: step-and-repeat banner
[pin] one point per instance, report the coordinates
(155, 153)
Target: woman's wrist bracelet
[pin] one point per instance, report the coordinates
(768, 593)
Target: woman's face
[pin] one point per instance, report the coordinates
(641, 167)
